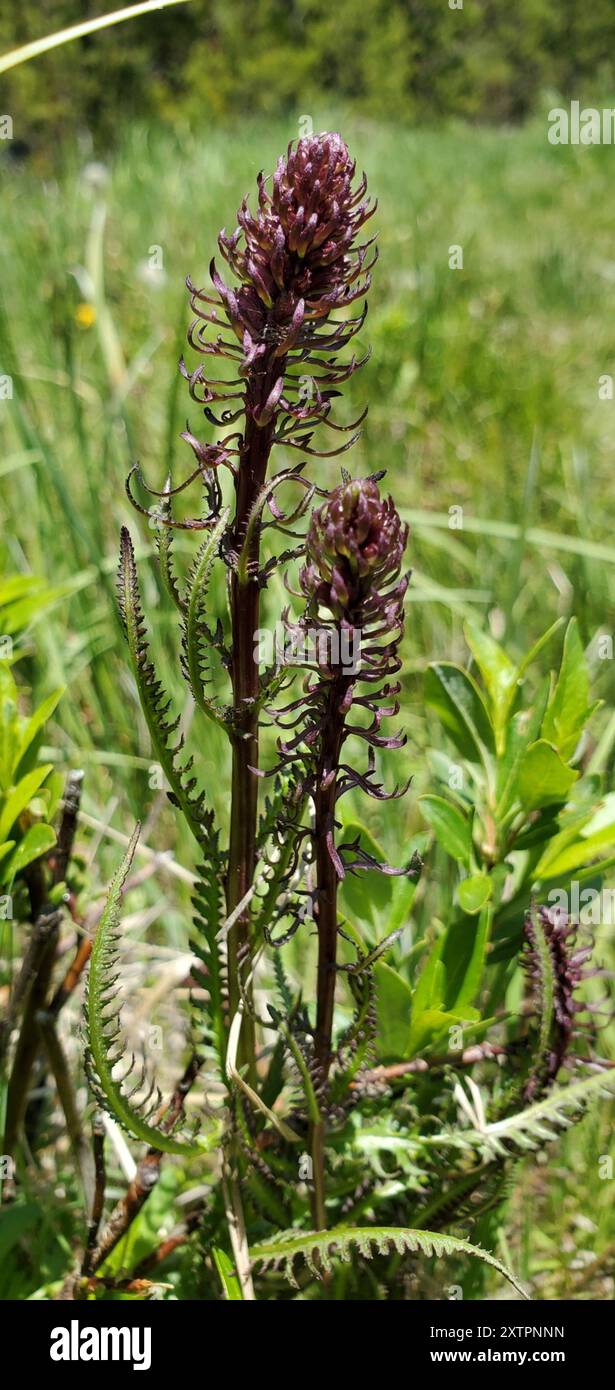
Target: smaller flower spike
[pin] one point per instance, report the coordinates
(354, 547)
(555, 967)
(354, 589)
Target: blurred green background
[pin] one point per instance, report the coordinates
(211, 60)
(130, 149)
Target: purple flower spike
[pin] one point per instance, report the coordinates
(355, 547)
(300, 243)
(298, 258)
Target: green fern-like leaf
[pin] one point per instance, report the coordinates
(283, 989)
(104, 1045)
(543, 1122)
(538, 1124)
(155, 704)
(279, 847)
(321, 1248)
(357, 1043)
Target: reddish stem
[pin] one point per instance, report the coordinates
(326, 873)
(245, 679)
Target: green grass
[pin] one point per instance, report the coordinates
(483, 390)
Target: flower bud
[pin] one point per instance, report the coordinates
(354, 547)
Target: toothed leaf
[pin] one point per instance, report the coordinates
(320, 1248)
(101, 1054)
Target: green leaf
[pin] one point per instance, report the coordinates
(38, 840)
(474, 892)
(321, 1248)
(522, 730)
(403, 894)
(54, 791)
(569, 709)
(428, 1020)
(15, 586)
(21, 796)
(544, 827)
(463, 956)
(196, 635)
(461, 708)
(22, 612)
(542, 1122)
(8, 724)
(393, 1011)
(538, 646)
(154, 703)
(208, 917)
(228, 1278)
(429, 1026)
(429, 991)
(543, 777)
(451, 828)
(498, 672)
(102, 1022)
(33, 726)
(578, 844)
(543, 983)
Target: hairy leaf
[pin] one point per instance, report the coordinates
(543, 1122)
(320, 1249)
(103, 1027)
(154, 703)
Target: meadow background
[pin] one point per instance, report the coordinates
(130, 150)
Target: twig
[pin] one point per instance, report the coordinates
(33, 984)
(161, 1253)
(98, 1201)
(137, 1192)
(44, 941)
(86, 1284)
(480, 1052)
(178, 1237)
(71, 802)
(603, 1261)
(72, 976)
(23, 983)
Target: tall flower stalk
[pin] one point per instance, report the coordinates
(355, 591)
(298, 260)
